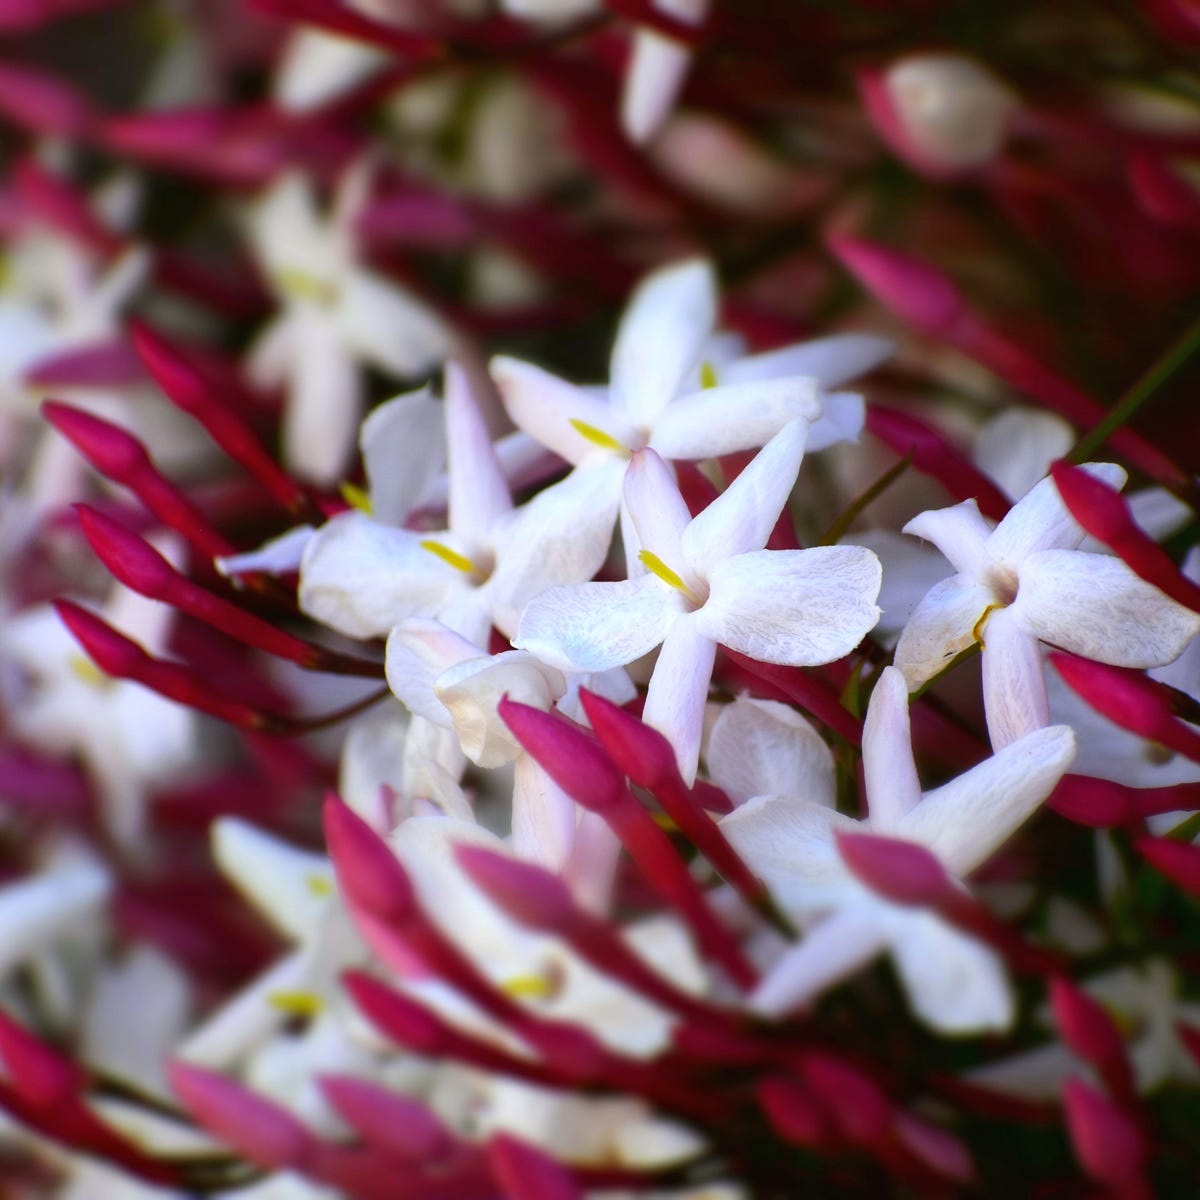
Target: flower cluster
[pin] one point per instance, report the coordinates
(434, 765)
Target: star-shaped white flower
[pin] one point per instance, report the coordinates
(336, 315)
(709, 583)
(954, 983)
(1024, 582)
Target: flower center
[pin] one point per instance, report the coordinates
(656, 566)
(477, 570)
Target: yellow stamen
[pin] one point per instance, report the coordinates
(597, 436)
(708, 375)
(356, 497)
(297, 1004)
(302, 286)
(530, 987)
(657, 567)
(977, 632)
(664, 822)
(319, 885)
(460, 562)
(89, 672)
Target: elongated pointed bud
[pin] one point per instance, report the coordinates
(43, 1077)
(386, 1119)
(58, 204)
(42, 103)
(1104, 804)
(1092, 1034)
(526, 1173)
(1105, 514)
(99, 365)
(1107, 1143)
(856, 1104)
(901, 871)
(186, 388)
(265, 1133)
(1178, 861)
(793, 1112)
(369, 874)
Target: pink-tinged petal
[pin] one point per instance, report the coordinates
(921, 295)
(794, 607)
(545, 407)
(1014, 688)
(369, 874)
(762, 747)
(100, 364)
(890, 773)
(1095, 606)
(936, 457)
(739, 416)
(596, 626)
(830, 361)
(265, 1133)
(403, 450)
(362, 578)
(1107, 1142)
(966, 820)
(955, 983)
(661, 337)
(387, 1119)
(656, 508)
(325, 400)
(1103, 804)
(1091, 1033)
(678, 690)
(829, 953)
(941, 1151)
(741, 518)
(941, 627)
(1041, 521)
(1109, 518)
(569, 755)
(526, 1173)
(559, 537)
(1178, 861)
(479, 494)
(960, 533)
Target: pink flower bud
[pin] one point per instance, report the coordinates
(1178, 861)
(1091, 1033)
(1107, 1143)
(525, 1173)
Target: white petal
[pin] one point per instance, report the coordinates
(418, 651)
(741, 518)
(595, 626)
(831, 361)
(1094, 605)
(656, 508)
(955, 983)
(543, 406)
(841, 420)
(830, 952)
(559, 537)
(890, 774)
(678, 689)
(966, 820)
(942, 626)
(959, 532)
(388, 327)
(910, 569)
(318, 67)
(758, 747)
(471, 691)
(656, 72)
(1033, 1075)
(324, 404)
(403, 448)
(789, 844)
(479, 495)
(660, 339)
(287, 233)
(287, 885)
(796, 607)
(543, 817)
(1015, 700)
(361, 577)
(1040, 520)
(741, 416)
(1015, 448)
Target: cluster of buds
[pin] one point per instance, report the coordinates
(426, 769)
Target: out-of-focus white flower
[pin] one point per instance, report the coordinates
(954, 982)
(336, 315)
(1023, 582)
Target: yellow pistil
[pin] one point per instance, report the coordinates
(89, 672)
(297, 1004)
(598, 437)
(356, 497)
(300, 285)
(319, 885)
(657, 567)
(708, 375)
(530, 987)
(460, 562)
